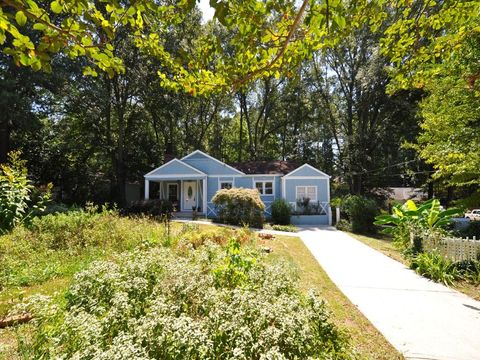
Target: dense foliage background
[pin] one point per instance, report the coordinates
(345, 105)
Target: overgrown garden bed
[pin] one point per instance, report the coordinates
(422, 235)
(126, 286)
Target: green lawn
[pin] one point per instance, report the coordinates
(382, 244)
(366, 339)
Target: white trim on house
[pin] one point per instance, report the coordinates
(306, 191)
(219, 185)
(322, 174)
(178, 177)
(147, 189)
(204, 196)
(181, 195)
(246, 175)
(254, 186)
(212, 158)
(306, 177)
(171, 161)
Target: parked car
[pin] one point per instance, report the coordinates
(473, 215)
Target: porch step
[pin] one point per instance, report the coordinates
(184, 215)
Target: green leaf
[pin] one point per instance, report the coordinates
(410, 205)
(20, 18)
(56, 7)
(340, 20)
(39, 26)
(88, 71)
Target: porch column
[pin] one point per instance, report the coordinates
(147, 189)
(204, 196)
(197, 193)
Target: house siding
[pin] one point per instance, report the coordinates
(214, 172)
(243, 182)
(174, 168)
(321, 184)
(305, 171)
(208, 166)
(322, 196)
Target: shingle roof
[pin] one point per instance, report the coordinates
(278, 167)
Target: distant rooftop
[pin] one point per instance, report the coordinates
(276, 167)
(407, 193)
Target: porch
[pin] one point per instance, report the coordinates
(186, 193)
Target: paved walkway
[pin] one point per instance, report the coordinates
(422, 319)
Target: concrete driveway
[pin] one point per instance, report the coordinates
(422, 319)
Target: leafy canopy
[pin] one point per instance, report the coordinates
(267, 38)
(450, 137)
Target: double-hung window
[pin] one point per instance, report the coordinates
(226, 184)
(309, 192)
(264, 187)
(173, 192)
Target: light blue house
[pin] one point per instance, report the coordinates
(192, 181)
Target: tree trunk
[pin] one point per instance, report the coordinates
(4, 143)
(240, 138)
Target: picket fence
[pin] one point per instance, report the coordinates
(455, 249)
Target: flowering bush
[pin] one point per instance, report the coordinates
(157, 304)
(221, 236)
(240, 206)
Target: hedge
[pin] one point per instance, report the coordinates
(240, 206)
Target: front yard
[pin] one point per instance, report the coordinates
(102, 248)
(366, 339)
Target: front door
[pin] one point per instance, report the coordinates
(189, 195)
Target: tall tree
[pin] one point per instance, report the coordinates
(450, 137)
(350, 81)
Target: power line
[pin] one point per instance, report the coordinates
(382, 168)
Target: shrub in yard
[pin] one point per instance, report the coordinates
(281, 212)
(428, 215)
(361, 212)
(434, 266)
(343, 225)
(287, 228)
(470, 270)
(410, 223)
(221, 236)
(238, 206)
(151, 207)
(58, 244)
(19, 199)
(211, 303)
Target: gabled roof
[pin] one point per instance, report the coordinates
(276, 167)
(174, 167)
(312, 172)
(198, 152)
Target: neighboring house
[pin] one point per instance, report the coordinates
(192, 181)
(403, 194)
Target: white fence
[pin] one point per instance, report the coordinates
(455, 249)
